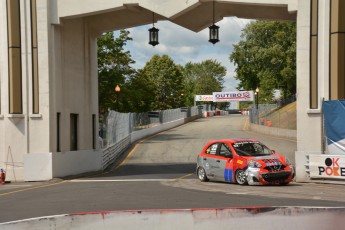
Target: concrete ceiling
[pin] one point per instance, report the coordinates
(195, 18)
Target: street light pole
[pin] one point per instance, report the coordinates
(117, 90)
(257, 97)
(257, 103)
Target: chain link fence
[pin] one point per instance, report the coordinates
(118, 126)
(273, 115)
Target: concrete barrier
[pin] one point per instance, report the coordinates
(208, 113)
(221, 218)
(273, 131)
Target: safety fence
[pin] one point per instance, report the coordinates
(119, 130)
(273, 115)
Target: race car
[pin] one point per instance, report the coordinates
(243, 161)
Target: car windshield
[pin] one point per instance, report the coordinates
(251, 148)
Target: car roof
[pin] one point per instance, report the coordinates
(232, 141)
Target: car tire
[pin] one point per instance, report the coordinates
(202, 174)
(241, 177)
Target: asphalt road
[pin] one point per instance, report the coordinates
(159, 173)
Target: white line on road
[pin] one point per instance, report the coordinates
(122, 180)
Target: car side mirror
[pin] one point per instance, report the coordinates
(273, 151)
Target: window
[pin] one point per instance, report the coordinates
(313, 81)
(249, 148)
(58, 132)
(337, 50)
(14, 57)
(74, 131)
(225, 151)
(35, 102)
(94, 131)
(212, 149)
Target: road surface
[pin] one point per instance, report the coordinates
(159, 173)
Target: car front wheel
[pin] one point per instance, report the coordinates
(202, 174)
(241, 177)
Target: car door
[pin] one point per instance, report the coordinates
(209, 160)
(223, 159)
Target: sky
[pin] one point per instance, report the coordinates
(183, 45)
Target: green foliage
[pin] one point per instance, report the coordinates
(113, 68)
(139, 95)
(202, 79)
(160, 85)
(266, 58)
(166, 82)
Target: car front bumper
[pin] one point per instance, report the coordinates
(257, 177)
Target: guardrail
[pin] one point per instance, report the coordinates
(297, 218)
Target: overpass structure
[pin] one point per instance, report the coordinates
(48, 70)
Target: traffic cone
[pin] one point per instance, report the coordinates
(269, 123)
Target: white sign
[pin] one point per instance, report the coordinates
(327, 166)
(203, 98)
(233, 96)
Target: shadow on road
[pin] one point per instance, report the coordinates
(152, 169)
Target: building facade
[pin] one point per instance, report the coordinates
(48, 72)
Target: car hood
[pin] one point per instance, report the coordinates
(270, 160)
(273, 157)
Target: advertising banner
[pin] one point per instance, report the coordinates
(334, 118)
(327, 166)
(203, 98)
(233, 96)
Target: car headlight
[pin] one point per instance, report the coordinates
(288, 162)
(254, 164)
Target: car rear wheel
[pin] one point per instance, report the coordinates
(202, 174)
(241, 177)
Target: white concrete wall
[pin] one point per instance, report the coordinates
(309, 127)
(273, 131)
(46, 166)
(297, 218)
(137, 135)
(3, 73)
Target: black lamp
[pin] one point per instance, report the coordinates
(214, 30)
(153, 32)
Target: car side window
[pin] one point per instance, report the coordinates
(225, 151)
(212, 149)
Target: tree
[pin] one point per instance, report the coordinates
(202, 78)
(113, 68)
(167, 82)
(139, 93)
(266, 58)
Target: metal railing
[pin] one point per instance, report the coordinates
(115, 131)
(117, 126)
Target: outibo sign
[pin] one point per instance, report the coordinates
(233, 96)
(327, 166)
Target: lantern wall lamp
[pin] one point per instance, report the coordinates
(153, 33)
(214, 29)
